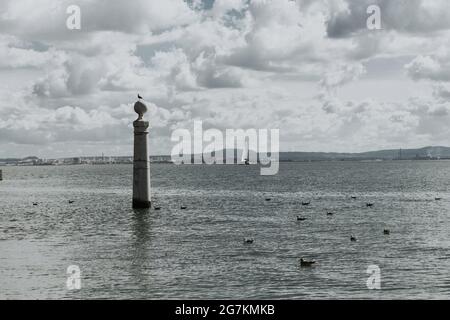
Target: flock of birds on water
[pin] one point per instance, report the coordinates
(310, 263)
(303, 262)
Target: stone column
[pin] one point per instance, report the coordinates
(141, 162)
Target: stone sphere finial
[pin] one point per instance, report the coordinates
(140, 108)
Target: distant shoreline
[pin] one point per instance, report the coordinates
(432, 153)
(221, 164)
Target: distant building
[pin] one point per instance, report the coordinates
(161, 159)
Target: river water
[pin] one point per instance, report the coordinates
(199, 252)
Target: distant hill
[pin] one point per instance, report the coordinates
(425, 153)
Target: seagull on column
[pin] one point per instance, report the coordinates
(139, 97)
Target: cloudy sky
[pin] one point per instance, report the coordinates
(310, 68)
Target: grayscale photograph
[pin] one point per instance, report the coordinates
(217, 150)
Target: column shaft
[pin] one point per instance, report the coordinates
(141, 166)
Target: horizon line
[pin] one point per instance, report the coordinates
(224, 150)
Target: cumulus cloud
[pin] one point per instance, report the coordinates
(341, 75)
(442, 91)
(414, 16)
(273, 34)
(306, 67)
(427, 67)
(222, 7)
(334, 79)
(47, 21)
(15, 53)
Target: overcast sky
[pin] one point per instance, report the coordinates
(310, 68)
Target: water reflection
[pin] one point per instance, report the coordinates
(141, 245)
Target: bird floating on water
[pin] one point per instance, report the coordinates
(71, 201)
(306, 263)
(35, 203)
(183, 207)
(369, 204)
(301, 218)
(330, 213)
(386, 231)
(248, 240)
(268, 199)
(353, 197)
(157, 208)
(437, 198)
(353, 238)
(306, 203)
